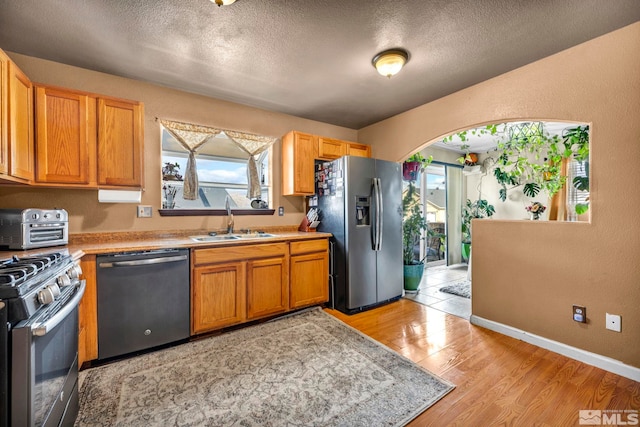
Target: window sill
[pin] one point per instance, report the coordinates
(214, 212)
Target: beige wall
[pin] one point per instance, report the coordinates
(87, 215)
(527, 274)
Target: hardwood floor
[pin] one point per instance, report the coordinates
(499, 380)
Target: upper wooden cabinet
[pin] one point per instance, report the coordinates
(19, 126)
(4, 113)
(120, 136)
(329, 149)
(87, 140)
(299, 151)
(298, 170)
(360, 150)
(65, 137)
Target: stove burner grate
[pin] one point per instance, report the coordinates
(16, 271)
(15, 275)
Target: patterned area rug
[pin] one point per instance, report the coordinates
(462, 289)
(307, 369)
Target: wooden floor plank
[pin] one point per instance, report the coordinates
(499, 380)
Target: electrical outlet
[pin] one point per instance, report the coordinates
(614, 322)
(281, 211)
(580, 313)
(144, 211)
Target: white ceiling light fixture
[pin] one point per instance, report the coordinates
(223, 2)
(390, 62)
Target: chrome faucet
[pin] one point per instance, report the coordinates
(227, 205)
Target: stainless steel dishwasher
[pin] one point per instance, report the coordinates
(143, 300)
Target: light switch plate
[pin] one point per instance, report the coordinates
(614, 322)
(144, 211)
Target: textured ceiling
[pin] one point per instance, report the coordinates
(308, 58)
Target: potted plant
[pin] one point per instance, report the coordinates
(413, 165)
(171, 172)
(478, 209)
(414, 227)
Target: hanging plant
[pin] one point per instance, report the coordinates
(530, 158)
(413, 165)
(468, 158)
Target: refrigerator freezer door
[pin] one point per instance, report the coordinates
(361, 259)
(389, 257)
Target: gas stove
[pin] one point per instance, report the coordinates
(31, 282)
(39, 298)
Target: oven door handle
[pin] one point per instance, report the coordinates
(42, 329)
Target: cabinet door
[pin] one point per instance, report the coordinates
(360, 150)
(298, 168)
(4, 112)
(88, 313)
(329, 149)
(309, 279)
(20, 127)
(65, 137)
(267, 287)
(218, 296)
(120, 136)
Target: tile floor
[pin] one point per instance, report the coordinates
(435, 277)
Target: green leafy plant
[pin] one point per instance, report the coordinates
(413, 165)
(478, 209)
(170, 171)
(490, 129)
(418, 157)
(519, 162)
(531, 159)
(576, 143)
(414, 226)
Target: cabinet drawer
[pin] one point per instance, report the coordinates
(306, 246)
(238, 253)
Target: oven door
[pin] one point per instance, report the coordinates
(43, 235)
(4, 365)
(44, 365)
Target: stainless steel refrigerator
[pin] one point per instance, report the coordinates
(360, 203)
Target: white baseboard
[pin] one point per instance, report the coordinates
(602, 362)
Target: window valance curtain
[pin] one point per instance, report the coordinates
(252, 145)
(192, 137)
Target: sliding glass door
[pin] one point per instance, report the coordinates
(442, 197)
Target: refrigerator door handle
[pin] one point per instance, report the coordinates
(377, 235)
(380, 214)
(332, 286)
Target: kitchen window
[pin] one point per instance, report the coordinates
(223, 170)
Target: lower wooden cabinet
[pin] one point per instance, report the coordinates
(309, 281)
(218, 296)
(267, 287)
(231, 285)
(88, 312)
(237, 283)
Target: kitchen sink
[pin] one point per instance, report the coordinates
(219, 238)
(225, 237)
(255, 235)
